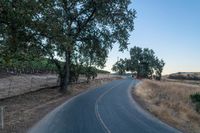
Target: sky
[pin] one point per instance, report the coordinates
(171, 28)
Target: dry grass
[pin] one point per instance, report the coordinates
(170, 102)
(193, 82)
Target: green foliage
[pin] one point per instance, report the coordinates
(102, 71)
(76, 70)
(77, 31)
(120, 67)
(90, 72)
(16, 38)
(198, 107)
(196, 100)
(37, 65)
(195, 97)
(159, 64)
(143, 62)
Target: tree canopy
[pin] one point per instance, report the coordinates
(143, 62)
(76, 32)
(120, 67)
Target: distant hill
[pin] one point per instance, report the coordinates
(185, 76)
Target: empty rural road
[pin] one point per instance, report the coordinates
(107, 109)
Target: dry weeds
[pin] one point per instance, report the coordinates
(170, 102)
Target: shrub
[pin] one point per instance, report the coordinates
(195, 97)
(196, 100)
(198, 107)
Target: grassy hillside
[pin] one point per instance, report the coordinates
(185, 76)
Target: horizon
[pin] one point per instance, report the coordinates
(171, 29)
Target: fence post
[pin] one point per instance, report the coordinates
(10, 85)
(2, 117)
(31, 83)
(58, 80)
(47, 81)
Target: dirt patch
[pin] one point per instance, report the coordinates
(170, 102)
(22, 112)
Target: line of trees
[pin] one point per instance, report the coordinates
(76, 32)
(44, 65)
(37, 65)
(143, 62)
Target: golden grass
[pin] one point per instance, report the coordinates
(170, 102)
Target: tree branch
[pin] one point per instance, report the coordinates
(55, 61)
(82, 26)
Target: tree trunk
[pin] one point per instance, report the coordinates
(63, 83)
(88, 79)
(64, 74)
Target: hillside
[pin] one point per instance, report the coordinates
(185, 76)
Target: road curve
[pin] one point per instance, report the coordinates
(107, 109)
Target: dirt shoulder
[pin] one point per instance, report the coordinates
(22, 112)
(170, 102)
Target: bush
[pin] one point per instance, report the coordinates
(196, 100)
(198, 107)
(195, 97)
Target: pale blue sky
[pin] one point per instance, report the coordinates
(171, 28)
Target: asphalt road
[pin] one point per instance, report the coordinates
(107, 109)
